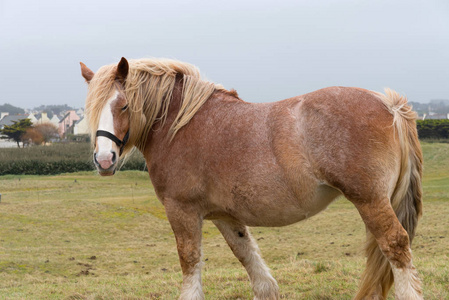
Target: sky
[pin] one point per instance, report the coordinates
(266, 50)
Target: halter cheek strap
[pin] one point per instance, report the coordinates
(121, 144)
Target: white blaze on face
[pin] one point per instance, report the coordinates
(105, 145)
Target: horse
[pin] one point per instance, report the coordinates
(212, 156)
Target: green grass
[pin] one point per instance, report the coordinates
(81, 236)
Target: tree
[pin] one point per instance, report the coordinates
(32, 136)
(12, 110)
(16, 130)
(41, 133)
(48, 131)
(53, 109)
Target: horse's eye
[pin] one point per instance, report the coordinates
(125, 107)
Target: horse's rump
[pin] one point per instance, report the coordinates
(349, 139)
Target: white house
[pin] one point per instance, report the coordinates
(81, 127)
(32, 118)
(43, 118)
(55, 120)
(80, 112)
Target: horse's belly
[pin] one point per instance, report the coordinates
(279, 211)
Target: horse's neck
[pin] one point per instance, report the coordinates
(161, 129)
(176, 99)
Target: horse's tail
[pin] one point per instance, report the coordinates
(405, 200)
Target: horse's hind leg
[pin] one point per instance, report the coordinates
(186, 225)
(393, 241)
(246, 250)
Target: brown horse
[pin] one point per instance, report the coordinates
(212, 156)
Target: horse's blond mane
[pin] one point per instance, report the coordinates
(148, 88)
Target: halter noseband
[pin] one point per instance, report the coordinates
(121, 144)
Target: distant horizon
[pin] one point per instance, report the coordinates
(78, 107)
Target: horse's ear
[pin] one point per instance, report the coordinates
(122, 70)
(86, 72)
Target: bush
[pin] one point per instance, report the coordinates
(433, 129)
(56, 159)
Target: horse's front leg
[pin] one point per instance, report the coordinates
(246, 250)
(186, 223)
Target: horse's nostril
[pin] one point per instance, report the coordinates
(95, 159)
(114, 157)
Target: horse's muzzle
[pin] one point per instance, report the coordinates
(106, 163)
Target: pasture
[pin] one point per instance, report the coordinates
(80, 236)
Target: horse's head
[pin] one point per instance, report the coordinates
(112, 120)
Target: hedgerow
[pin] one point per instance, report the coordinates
(433, 129)
(55, 159)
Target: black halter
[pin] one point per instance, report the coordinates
(121, 144)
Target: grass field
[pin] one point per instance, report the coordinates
(80, 236)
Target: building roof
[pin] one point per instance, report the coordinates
(9, 120)
(79, 121)
(70, 112)
(63, 118)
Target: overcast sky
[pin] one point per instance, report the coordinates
(266, 50)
